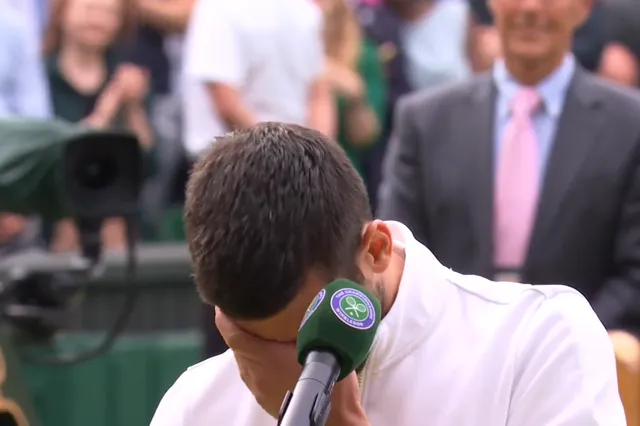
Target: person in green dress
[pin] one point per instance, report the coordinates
(356, 76)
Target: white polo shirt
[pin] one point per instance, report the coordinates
(453, 350)
(271, 51)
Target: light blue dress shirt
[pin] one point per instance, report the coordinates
(23, 84)
(552, 90)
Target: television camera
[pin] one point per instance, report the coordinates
(55, 169)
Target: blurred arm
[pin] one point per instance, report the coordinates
(322, 109)
(321, 104)
(364, 117)
(214, 56)
(169, 15)
(106, 108)
(135, 116)
(230, 106)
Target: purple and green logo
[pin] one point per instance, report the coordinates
(313, 306)
(353, 308)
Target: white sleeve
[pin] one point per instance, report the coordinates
(566, 373)
(213, 49)
(316, 48)
(31, 85)
(172, 410)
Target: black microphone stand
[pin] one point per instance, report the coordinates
(310, 402)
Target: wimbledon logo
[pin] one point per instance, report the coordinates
(313, 306)
(353, 308)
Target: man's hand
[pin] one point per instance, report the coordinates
(269, 369)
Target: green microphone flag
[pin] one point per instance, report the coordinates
(342, 318)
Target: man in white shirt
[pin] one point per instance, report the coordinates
(275, 212)
(247, 61)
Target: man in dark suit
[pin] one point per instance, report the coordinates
(532, 173)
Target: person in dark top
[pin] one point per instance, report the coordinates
(383, 27)
(156, 50)
(83, 50)
(589, 41)
(146, 50)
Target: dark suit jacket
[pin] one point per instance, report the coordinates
(439, 182)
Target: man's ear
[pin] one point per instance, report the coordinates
(376, 247)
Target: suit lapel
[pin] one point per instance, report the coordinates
(477, 137)
(578, 129)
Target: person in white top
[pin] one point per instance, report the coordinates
(247, 61)
(275, 212)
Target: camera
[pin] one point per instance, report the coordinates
(55, 169)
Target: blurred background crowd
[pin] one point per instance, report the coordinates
(179, 73)
(161, 69)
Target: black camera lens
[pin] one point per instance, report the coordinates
(97, 173)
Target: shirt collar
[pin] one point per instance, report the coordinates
(420, 298)
(552, 89)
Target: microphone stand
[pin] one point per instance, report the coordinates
(310, 402)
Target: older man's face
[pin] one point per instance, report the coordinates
(533, 29)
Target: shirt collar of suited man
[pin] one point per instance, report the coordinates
(453, 350)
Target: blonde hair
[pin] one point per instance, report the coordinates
(53, 31)
(342, 34)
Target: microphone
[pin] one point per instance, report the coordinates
(335, 337)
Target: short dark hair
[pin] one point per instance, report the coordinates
(266, 205)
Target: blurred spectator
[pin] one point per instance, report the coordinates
(382, 26)
(23, 83)
(81, 46)
(423, 44)
(434, 36)
(531, 174)
(355, 75)
(23, 92)
(156, 49)
(621, 58)
(248, 61)
(34, 14)
(588, 43)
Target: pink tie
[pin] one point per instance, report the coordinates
(517, 183)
